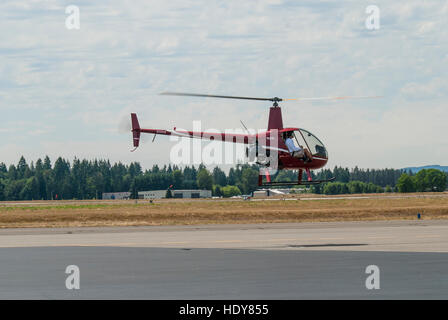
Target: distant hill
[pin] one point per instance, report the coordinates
(417, 169)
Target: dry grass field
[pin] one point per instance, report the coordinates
(190, 212)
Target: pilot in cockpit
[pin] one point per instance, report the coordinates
(298, 152)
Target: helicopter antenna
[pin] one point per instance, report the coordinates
(245, 128)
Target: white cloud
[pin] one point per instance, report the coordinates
(435, 88)
(81, 84)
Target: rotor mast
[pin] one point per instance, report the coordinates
(275, 115)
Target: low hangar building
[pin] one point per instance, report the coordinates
(185, 194)
(159, 194)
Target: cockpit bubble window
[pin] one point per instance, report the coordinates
(316, 147)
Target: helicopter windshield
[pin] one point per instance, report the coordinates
(316, 147)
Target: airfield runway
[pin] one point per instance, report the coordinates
(264, 261)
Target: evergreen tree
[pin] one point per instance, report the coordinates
(217, 191)
(249, 180)
(2, 191)
(134, 190)
(12, 173)
(204, 180)
(219, 177)
(22, 166)
(47, 163)
(178, 178)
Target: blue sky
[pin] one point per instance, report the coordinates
(67, 92)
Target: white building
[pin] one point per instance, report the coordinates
(158, 194)
(270, 192)
(186, 194)
(116, 195)
(192, 193)
(153, 194)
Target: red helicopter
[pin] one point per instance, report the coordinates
(265, 146)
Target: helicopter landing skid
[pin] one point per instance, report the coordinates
(292, 183)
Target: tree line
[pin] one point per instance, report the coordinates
(88, 179)
(424, 181)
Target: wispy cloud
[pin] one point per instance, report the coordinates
(72, 88)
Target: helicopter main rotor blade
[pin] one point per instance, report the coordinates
(333, 98)
(216, 96)
(275, 99)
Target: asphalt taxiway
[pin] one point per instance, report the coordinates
(257, 261)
